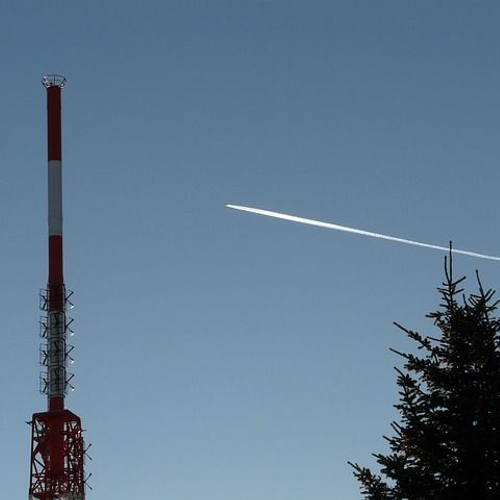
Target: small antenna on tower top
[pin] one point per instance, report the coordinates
(53, 81)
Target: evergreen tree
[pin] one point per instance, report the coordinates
(446, 445)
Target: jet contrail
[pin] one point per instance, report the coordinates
(337, 227)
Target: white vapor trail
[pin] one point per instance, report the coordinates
(337, 227)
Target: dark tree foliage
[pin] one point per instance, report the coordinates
(446, 445)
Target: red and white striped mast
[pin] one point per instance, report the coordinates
(57, 447)
(56, 369)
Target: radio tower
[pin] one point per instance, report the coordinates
(57, 448)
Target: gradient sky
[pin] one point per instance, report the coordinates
(222, 355)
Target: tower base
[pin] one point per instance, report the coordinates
(57, 453)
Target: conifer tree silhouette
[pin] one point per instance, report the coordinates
(446, 445)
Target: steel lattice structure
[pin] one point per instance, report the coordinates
(57, 452)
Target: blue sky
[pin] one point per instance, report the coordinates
(222, 355)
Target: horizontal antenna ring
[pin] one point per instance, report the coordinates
(53, 81)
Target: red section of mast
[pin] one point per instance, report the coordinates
(57, 447)
(54, 141)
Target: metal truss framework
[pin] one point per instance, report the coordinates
(57, 456)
